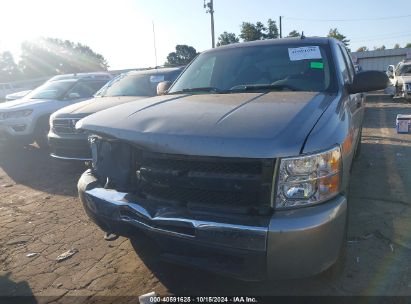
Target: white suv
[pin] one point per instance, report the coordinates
(26, 120)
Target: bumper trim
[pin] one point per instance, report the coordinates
(69, 158)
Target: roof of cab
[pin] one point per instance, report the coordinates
(297, 40)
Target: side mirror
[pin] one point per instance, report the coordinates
(162, 87)
(368, 81)
(73, 96)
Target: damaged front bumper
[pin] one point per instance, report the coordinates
(286, 244)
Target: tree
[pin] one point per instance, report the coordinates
(362, 49)
(251, 32)
(272, 30)
(8, 68)
(182, 56)
(408, 45)
(227, 38)
(258, 31)
(49, 56)
(381, 48)
(294, 33)
(334, 33)
(396, 46)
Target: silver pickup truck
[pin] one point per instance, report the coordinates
(242, 167)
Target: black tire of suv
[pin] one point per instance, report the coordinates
(40, 133)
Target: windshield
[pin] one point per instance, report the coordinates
(260, 67)
(85, 89)
(131, 85)
(51, 90)
(405, 70)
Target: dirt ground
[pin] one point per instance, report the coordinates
(40, 214)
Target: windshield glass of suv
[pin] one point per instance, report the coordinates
(51, 90)
(85, 89)
(405, 70)
(131, 85)
(259, 67)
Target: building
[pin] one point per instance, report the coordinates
(380, 60)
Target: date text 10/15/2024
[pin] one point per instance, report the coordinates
(200, 299)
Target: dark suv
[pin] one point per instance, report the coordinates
(67, 143)
(243, 167)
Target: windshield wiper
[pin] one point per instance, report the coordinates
(256, 87)
(199, 89)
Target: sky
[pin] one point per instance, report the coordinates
(122, 30)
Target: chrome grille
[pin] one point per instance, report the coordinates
(65, 126)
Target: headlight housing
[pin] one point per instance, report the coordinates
(94, 142)
(309, 179)
(111, 161)
(15, 114)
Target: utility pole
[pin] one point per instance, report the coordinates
(210, 9)
(155, 49)
(281, 28)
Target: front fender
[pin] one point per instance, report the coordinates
(335, 127)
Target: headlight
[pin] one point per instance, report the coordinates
(94, 141)
(100, 150)
(111, 161)
(15, 114)
(308, 179)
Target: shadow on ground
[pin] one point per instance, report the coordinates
(15, 292)
(35, 168)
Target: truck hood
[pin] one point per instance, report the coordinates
(90, 106)
(250, 125)
(23, 103)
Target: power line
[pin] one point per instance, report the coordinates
(154, 39)
(382, 38)
(381, 35)
(349, 20)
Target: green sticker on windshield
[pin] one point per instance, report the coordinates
(316, 65)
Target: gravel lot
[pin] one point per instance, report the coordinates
(40, 213)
